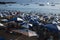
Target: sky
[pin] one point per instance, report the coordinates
(29, 1)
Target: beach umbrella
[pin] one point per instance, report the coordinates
(9, 13)
(1, 15)
(4, 15)
(16, 19)
(12, 13)
(30, 25)
(22, 23)
(25, 25)
(19, 19)
(35, 22)
(54, 22)
(1, 24)
(15, 13)
(4, 20)
(51, 27)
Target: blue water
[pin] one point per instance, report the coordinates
(34, 8)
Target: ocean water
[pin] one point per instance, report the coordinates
(31, 7)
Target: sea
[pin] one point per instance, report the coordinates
(31, 8)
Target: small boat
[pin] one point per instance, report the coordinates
(41, 5)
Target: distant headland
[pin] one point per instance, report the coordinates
(7, 2)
